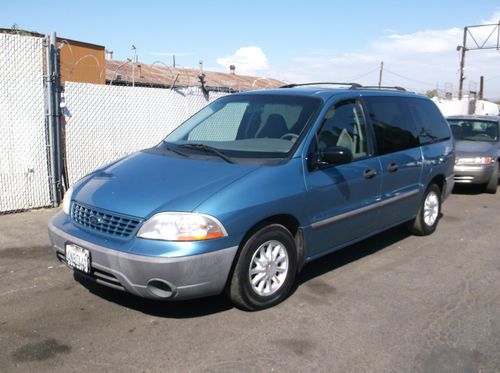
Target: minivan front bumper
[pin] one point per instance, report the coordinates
(151, 277)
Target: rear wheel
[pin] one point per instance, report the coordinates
(265, 270)
(492, 185)
(428, 215)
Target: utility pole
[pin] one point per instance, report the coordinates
(481, 87)
(380, 74)
(462, 64)
(173, 61)
(482, 40)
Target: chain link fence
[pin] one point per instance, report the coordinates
(104, 123)
(23, 144)
(101, 122)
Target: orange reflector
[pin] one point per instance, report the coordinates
(208, 236)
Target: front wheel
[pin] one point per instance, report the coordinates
(428, 215)
(265, 270)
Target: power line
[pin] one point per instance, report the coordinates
(363, 75)
(407, 78)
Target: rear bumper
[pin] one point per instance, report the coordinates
(179, 278)
(473, 174)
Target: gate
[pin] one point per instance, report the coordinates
(23, 141)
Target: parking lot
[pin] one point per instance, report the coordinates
(392, 303)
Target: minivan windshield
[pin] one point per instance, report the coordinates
(474, 130)
(245, 126)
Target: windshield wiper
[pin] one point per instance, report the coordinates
(174, 151)
(207, 149)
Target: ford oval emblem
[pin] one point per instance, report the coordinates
(94, 220)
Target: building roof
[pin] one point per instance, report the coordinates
(159, 75)
(38, 35)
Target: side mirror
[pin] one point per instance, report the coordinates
(334, 155)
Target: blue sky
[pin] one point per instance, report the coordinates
(289, 40)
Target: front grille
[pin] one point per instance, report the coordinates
(103, 221)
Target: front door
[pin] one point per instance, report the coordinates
(342, 198)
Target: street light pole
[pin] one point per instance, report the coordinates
(134, 61)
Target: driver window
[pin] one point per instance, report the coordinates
(344, 125)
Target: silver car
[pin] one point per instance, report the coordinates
(477, 145)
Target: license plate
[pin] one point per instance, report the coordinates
(78, 258)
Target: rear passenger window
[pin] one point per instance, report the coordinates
(344, 125)
(394, 127)
(430, 122)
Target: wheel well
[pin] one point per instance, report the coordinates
(289, 222)
(439, 180)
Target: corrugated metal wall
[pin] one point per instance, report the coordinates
(81, 62)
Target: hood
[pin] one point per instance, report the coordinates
(475, 148)
(144, 183)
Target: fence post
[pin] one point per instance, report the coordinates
(53, 128)
(57, 116)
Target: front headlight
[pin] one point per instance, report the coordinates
(181, 226)
(67, 201)
(474, 161)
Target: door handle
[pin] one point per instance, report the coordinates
(369, 173)
(393, 167)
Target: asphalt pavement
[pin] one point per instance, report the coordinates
(392, 303)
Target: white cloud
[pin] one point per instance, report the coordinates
(429, 41)
(248, 60)
(419, 61)
(495, 18)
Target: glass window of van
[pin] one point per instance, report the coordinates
(430, 122)
(394, 127)
(246, 126)
(344, 125)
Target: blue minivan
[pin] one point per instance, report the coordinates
(249, 189)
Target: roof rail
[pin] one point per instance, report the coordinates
(395, 88)
(352, 85)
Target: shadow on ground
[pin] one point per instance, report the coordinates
(169, 309)
(352, 253)
(211, 305)
(468, 190)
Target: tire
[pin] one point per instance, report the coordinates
(492, 185)
(265, 270)
(428, 215)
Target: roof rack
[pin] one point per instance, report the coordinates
(352, 85)
(395, 88)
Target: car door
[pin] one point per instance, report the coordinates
(342, 198)
(400, 157)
